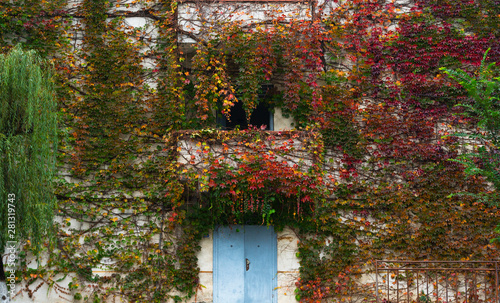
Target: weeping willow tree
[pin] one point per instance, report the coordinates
(28, 139)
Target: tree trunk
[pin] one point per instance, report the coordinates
(3, 278)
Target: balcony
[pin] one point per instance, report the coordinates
(198, 149)
(252, 170)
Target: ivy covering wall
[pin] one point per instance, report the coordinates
(374, 113)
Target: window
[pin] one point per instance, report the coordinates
(261, 115)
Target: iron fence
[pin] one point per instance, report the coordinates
(436, 281)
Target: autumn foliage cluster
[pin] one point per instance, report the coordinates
(362, 81)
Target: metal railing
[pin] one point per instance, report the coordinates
(436, 281)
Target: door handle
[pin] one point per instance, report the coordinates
(248, 264)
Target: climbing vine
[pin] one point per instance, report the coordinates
(243, 175)
(145, 173)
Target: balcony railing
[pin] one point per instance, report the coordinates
(437, 281)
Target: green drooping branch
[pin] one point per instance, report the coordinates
(28, 141)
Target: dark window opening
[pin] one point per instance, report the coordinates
(261, 115)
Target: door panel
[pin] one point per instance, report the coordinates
(260, 251)
(229, 264)
(235, 281)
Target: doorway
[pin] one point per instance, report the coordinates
(245, 264)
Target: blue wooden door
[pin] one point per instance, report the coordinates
(245, 264)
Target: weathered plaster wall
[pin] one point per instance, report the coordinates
(191, 19)
(281, 122)
(288, 270)
(202, 19)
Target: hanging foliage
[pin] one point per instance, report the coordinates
(362, 80)
(28, 145)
